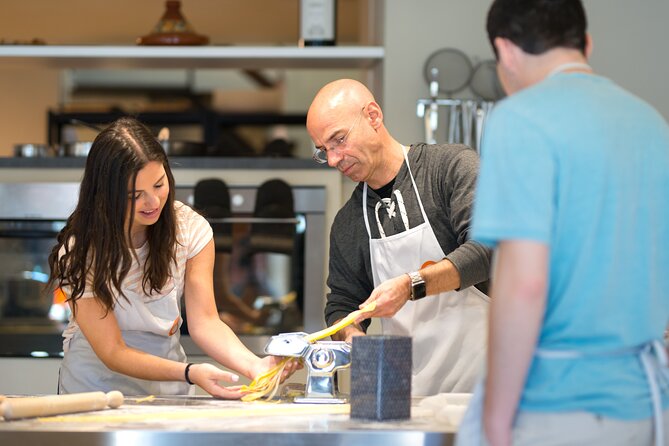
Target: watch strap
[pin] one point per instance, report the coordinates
(418, 289)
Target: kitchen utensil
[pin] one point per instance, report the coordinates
(468, 108)
(485, 82)
(430, 110)
(454, 69)
(15, 408)
(481, 114)
(454, 124)
(448, 71)
(322, 360)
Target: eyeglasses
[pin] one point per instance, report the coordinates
(321, 155)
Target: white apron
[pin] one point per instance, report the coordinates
(652, 355)
(449, 330)
(147, 324)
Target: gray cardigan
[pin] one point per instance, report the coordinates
(445, 176)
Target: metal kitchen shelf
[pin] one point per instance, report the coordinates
(97, 56)
(210, 120)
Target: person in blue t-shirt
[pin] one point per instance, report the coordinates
(574, 196)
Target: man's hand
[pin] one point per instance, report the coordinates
(347, 334)
(390, 297)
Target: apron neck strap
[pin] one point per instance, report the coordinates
(400, 201)
(582, 66)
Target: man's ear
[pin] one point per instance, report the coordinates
(507, 53)
(373, 113)
(588, 45)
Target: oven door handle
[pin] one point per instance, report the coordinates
(28, 233)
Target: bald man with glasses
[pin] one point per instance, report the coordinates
(402, 239)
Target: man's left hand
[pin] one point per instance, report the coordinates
(390, 297)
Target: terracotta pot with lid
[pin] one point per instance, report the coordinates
(173, 29)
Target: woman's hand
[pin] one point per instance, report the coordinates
(269, 362)
(207, 377)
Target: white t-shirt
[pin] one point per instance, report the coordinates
(150, 312)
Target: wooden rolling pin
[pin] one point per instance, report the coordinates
(41, 406)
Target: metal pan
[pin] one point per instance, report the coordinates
(34, 150)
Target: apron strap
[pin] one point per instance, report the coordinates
(400, 202)
(654, 361)
(364, 209)
(403, 209)
(413, 183)
(391, 211)
(378, 222)
(653, 357)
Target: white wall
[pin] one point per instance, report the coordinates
(629, 38)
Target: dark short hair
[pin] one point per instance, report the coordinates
(537, 26)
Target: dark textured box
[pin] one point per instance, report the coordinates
(381, 377)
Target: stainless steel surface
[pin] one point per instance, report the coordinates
(205, 421)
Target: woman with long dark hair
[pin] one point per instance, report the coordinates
(125, 258)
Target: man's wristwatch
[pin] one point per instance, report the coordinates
(417, 285)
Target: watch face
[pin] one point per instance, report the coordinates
(418, 290)
(417, 286)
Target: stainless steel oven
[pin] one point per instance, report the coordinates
(32, 318)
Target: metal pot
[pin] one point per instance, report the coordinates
(183, 148)
(33, 150)
(79, 148)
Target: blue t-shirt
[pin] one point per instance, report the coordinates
(581, 165)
